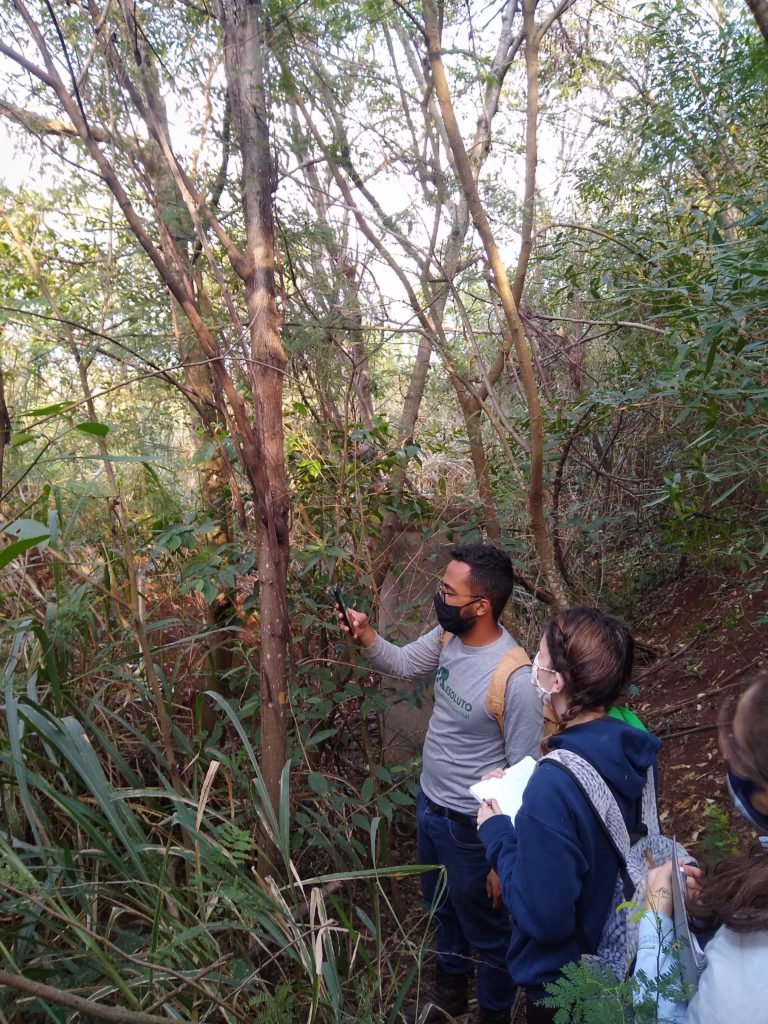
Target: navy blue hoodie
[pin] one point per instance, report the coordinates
(556, 865)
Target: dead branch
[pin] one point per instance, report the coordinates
(88, 1007)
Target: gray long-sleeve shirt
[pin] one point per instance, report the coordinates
(463, 740)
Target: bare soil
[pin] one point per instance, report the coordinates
(711, 637)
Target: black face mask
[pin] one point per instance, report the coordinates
(741, 791)
(450, 618)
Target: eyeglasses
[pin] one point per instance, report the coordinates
(440, 591)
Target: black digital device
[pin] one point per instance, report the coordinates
(338, 597)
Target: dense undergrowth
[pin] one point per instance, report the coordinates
(121, 886)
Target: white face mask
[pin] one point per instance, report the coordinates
(545, 695)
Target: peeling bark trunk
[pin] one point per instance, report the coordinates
(532, 40)
(470, 407)
(245, 51)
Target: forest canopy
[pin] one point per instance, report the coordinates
(297, 294)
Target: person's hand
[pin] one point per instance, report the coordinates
(658, 895)
(659, 892)
(493, 888)
(497, 773)
(362, 631)
(693, 877)
(487, 810)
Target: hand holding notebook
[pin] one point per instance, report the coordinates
(508, 789)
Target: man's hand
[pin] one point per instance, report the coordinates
(362, 631)
(487, 810)
(493, 888)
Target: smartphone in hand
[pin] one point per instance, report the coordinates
(338, 597)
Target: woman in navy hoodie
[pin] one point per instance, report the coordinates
(556, 863)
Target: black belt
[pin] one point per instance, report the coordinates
(445, 812)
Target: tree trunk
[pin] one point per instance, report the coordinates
(5, 424)
(463, 167)
(245, 52)
(472, 411)
(759, 9)
(532, 39)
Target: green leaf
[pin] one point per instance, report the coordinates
(319, 737)
(19, 439)
(49, 410)
(95, 429)
(19, 547)
(384, 807)
(318, 783)
(26, 528)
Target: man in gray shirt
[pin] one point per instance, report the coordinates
(463, 742)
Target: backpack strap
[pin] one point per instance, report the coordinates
(550, 721)
(495, 695)
(509, 662)
(649, 814)
(602, 801)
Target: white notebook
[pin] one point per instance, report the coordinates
(508, 790)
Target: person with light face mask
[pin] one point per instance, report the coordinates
(463, 742)
(556, 861)
(732, 897)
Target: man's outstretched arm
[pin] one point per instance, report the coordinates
(414, 659)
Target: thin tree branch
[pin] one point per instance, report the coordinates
(598, 323)
(88, 1007)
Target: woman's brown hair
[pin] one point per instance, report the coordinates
(749, 757)
(735, 891)
(594, 653)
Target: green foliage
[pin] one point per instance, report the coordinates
(152, 882)
(277, 1007)
(669, 409)
(589, 993)
(718, 841)
(136, 890)
(104, 855)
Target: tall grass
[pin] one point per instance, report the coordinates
(143, 899)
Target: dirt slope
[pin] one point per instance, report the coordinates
(712, 634)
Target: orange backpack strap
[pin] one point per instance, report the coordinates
(497, 688)
(550, 721)
(445, 636)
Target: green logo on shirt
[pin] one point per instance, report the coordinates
(441, 680)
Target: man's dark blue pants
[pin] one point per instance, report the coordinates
(465, 918)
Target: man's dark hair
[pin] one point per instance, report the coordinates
(490, 573)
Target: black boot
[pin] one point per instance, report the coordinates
(493, 1016)
(450, 1000)
(485, 1016)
